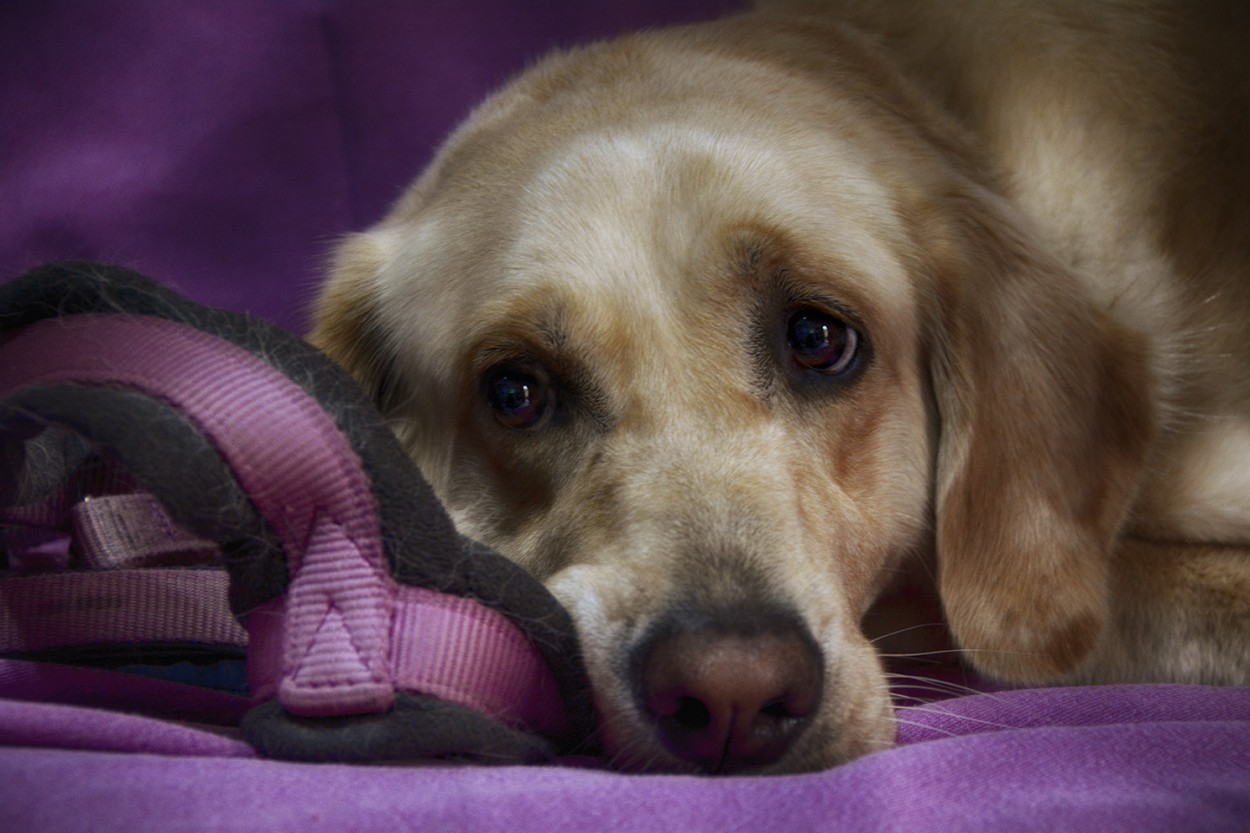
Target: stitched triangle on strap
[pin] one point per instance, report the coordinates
(331, 656)
(336, 653)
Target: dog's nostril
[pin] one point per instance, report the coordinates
(728, 701)
(691, 714)
(778, 709)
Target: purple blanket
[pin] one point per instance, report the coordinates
(1130, 758)
(222, 146)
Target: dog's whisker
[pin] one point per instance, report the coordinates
(992, 724)
(936, 652)
(909, 629)
(927, 727)
(941, 687)
(999, 652)
(923, 693)
(921, 679)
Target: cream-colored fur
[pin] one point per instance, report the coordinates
(1035, 216)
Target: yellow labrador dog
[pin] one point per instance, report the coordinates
(734, 333)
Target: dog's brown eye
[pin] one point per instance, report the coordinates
(519, 398)
(821, 341)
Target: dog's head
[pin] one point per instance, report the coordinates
(715, 330)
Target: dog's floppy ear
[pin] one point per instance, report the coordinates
(1045, 418)
(345, 325)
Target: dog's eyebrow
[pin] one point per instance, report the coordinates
(552, 333)
(759, 247)
(755, 267)
(535, 331)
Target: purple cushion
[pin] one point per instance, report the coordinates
(1131, 758)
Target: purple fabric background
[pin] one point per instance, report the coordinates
(1140, 759)
(222, 146)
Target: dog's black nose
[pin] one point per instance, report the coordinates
(730, 694)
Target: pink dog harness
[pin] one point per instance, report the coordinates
(349, 624)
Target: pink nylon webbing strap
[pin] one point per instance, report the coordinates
(55, 610)
(288, 456)
(466, 653)
(339, 632)
(132, 530)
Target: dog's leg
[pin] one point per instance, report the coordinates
(1180, 613)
